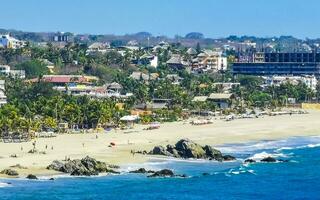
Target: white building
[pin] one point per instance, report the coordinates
(310, 81)
(6, 69)
(6, 41)
(3, 97)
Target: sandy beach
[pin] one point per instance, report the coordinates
(218, 133)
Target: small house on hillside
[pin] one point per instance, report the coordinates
(176, 62)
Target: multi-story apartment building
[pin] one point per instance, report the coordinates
(280, 64)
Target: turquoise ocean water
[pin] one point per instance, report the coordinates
(297, 179)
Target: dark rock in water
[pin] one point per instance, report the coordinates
(269, 159)
(32, 177)
(85, 167)
(249, 161)
(182, 176)
(163, 173)
(83, 172)
(9, 172)
(212, 153)
(51, 179)
(228, 158)
(142, 171)
(205, 174)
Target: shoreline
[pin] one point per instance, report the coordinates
(219, 133)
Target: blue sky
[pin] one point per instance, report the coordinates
(214, 18)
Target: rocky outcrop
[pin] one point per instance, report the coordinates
(162, 173)
(269, 159)
(166, 173)
(9, 172)
(142, 171)
(249, 161)
(56, 165)
(188, 149)
(266, 159)
(85, 167)
(32, 177)
(228, 158)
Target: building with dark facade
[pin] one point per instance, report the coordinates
(60, 37)
(280, 64)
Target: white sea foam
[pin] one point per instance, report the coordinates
(3, 185)
(262, 155)
(275, 145)
(313, 145)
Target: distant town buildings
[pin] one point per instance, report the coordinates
(310, 81)
(6, 70)
(6, 41)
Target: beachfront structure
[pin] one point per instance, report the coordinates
(6, 41)
(6, 70)
(310, 81)
(223, 100)
(155, 104)
(3, 97)
(295, 64)
(209, 61)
